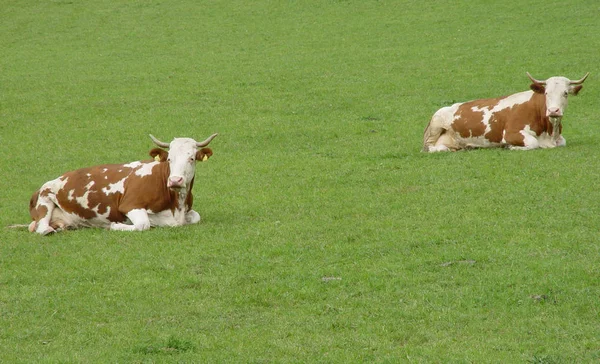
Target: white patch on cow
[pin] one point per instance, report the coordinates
(438, 148)
(514, 99)
(139, 219)
(83, 200)
(102, 217)
(88, 175)
(146, 169)
(89, 185)
(105, 177)
(476, 142)
(162, 218)
(133, 164)
(55, 185)
(446, 115)
(71, 196)
(115, 187)
(104, 170)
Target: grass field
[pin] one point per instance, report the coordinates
(326, 235)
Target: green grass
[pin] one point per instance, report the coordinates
(326, 235)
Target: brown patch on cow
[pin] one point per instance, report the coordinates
(469, 123)
(148, 192)
(537, 88)
(514, 138)
(189, 200)
(531, 113)
(101, 176)
(32, 203)
(38, 212)
(204, 152)
(161, 153)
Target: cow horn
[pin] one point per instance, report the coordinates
(579, 82)
(205, 143)
(536, 81)
(158, 142)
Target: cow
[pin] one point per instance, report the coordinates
(129, 197)
(522, 121)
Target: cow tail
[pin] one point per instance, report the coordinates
(427, 138)
(18, 226)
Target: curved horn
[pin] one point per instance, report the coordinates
(579, 82)
(536, 81)
(158, 142)
(208, 140)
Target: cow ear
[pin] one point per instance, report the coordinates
(203, 154)
(159, 155)
(538, 88)
(575, 90)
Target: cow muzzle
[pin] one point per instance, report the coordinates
(554, 112)
(175, 182)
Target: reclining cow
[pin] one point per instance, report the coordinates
(525, 120)
(132, 196)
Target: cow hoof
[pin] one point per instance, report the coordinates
(48, 231)
(32, 226)
(192, 217)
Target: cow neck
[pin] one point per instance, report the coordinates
(555, 128)
(178, 196)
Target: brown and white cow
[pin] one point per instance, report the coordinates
(132, 196)
(525, 120)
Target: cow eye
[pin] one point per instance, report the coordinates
(169, 160)
(191, 159)
(566, 93)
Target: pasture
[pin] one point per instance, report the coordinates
(326, 235)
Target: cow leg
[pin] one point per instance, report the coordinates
(32, 226)
(44, 208)
(192, 217)
(139, 219)
(523, 140)
(439, 135)
(432, 133)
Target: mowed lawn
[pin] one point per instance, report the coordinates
(326, 235)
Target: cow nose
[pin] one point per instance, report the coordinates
(554, 111)
(175, 181)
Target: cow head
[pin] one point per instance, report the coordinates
(182, 156)
(556, 89)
